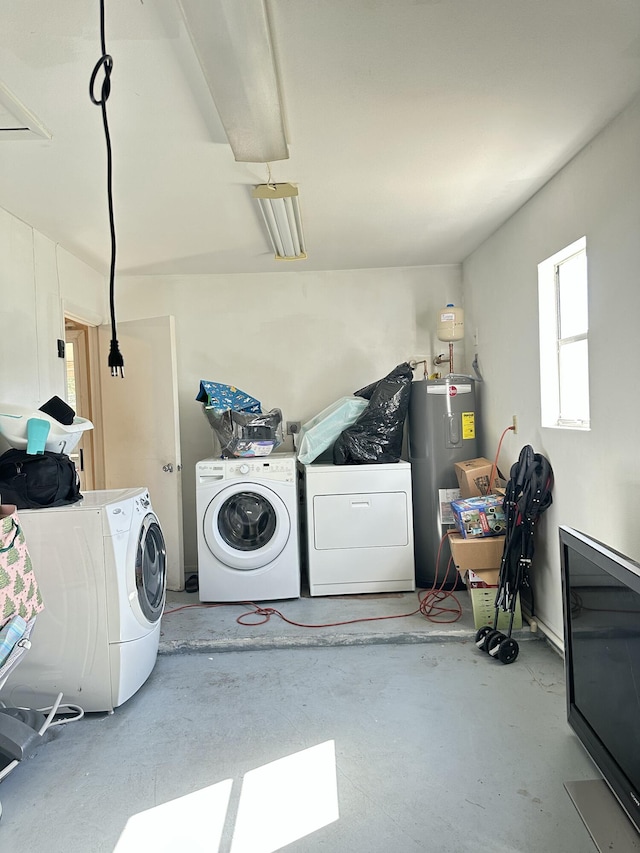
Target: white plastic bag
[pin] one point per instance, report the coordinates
(322, 430)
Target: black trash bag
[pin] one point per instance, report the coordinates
(38, 480)
(244, 433)
(376, 437)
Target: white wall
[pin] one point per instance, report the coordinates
(295, 340)
(597, 472)
(36, 279)
(299, 340)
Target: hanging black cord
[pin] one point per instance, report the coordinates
(116, 362)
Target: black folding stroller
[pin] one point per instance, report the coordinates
(528, 495)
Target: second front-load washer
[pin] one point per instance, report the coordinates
(247, 515)
(101, 568)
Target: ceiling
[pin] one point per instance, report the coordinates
(416, 127)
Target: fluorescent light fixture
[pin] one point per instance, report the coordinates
(281, 212)
(16, 121)
(232, 41)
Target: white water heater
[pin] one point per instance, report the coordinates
(450, 323)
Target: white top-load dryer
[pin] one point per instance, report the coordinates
(101, 569)
(359, 528)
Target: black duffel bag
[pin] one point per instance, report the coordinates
(41, 480)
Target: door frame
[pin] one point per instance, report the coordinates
(93, 387)
(76, 337)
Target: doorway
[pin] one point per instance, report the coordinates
(79, 397)
(136, 436)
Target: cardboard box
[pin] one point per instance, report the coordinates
(482, 578)
(473, 477)
(483, 555)
(483, 599)
(481, 516)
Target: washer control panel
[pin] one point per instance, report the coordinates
(283, 468)
(142, 503)
(257, 468)
(210, 468)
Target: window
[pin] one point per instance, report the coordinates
(564, 329)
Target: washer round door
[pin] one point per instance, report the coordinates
(246, 526)
(151, 569)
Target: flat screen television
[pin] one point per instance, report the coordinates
(601, 598)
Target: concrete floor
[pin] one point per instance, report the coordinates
(188, 625)
(402, 737)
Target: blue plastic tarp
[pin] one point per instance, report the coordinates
(224, 398)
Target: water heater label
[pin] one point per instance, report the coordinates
(445, 388)
(468, 425)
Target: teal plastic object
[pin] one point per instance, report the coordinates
(320, 432)
(37, 434)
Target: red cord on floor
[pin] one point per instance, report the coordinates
(432, 602)
(431, 606)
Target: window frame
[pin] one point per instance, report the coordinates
(551, 343)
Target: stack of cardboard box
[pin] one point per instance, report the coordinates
(478, 556)
(474, 478)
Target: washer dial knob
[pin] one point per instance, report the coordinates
(244, 468)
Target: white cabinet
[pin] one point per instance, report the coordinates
(359, 528)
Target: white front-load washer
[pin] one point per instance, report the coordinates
(101, 568)
(247, 515)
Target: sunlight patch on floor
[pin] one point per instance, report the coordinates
(286, 800)
(280, 802)
(193, 822)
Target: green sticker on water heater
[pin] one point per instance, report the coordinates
(468, 425)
